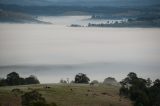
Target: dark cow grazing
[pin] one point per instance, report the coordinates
(104, 93)
(47, 87)
(86, 94)
(71, 89)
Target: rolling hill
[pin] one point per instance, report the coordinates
(67, 95)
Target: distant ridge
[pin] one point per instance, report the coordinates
(82, 2)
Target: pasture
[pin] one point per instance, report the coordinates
(67, 95)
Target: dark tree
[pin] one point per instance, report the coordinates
(3, 82)
(22, 81)
(156, 83)
(141, 91)
(32, 80)
(135, 88)
(81, 78)
(149, 82)
(13, 78)
(131, 78)
(154, 93)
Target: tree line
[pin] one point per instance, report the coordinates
(141, 91)
(13, 78)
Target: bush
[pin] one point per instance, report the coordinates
(34, 98)
(38, 104)
(123, 91)
(17, 92)
(53, 104)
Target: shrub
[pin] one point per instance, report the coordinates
(53, 104)
(32, 98)
(17, 91)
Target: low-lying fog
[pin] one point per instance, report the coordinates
(52, 52)
(77, 20)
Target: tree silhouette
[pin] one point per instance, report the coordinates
(3, 82)
(140, 90)
(81, 78)
(13, 78)
(32, 80)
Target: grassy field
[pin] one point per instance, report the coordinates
(68, 95)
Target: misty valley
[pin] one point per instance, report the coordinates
(79, 53)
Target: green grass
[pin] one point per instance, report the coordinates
(62, 95)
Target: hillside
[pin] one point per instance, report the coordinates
(82, 2)
(9, 16)
(67, 95)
